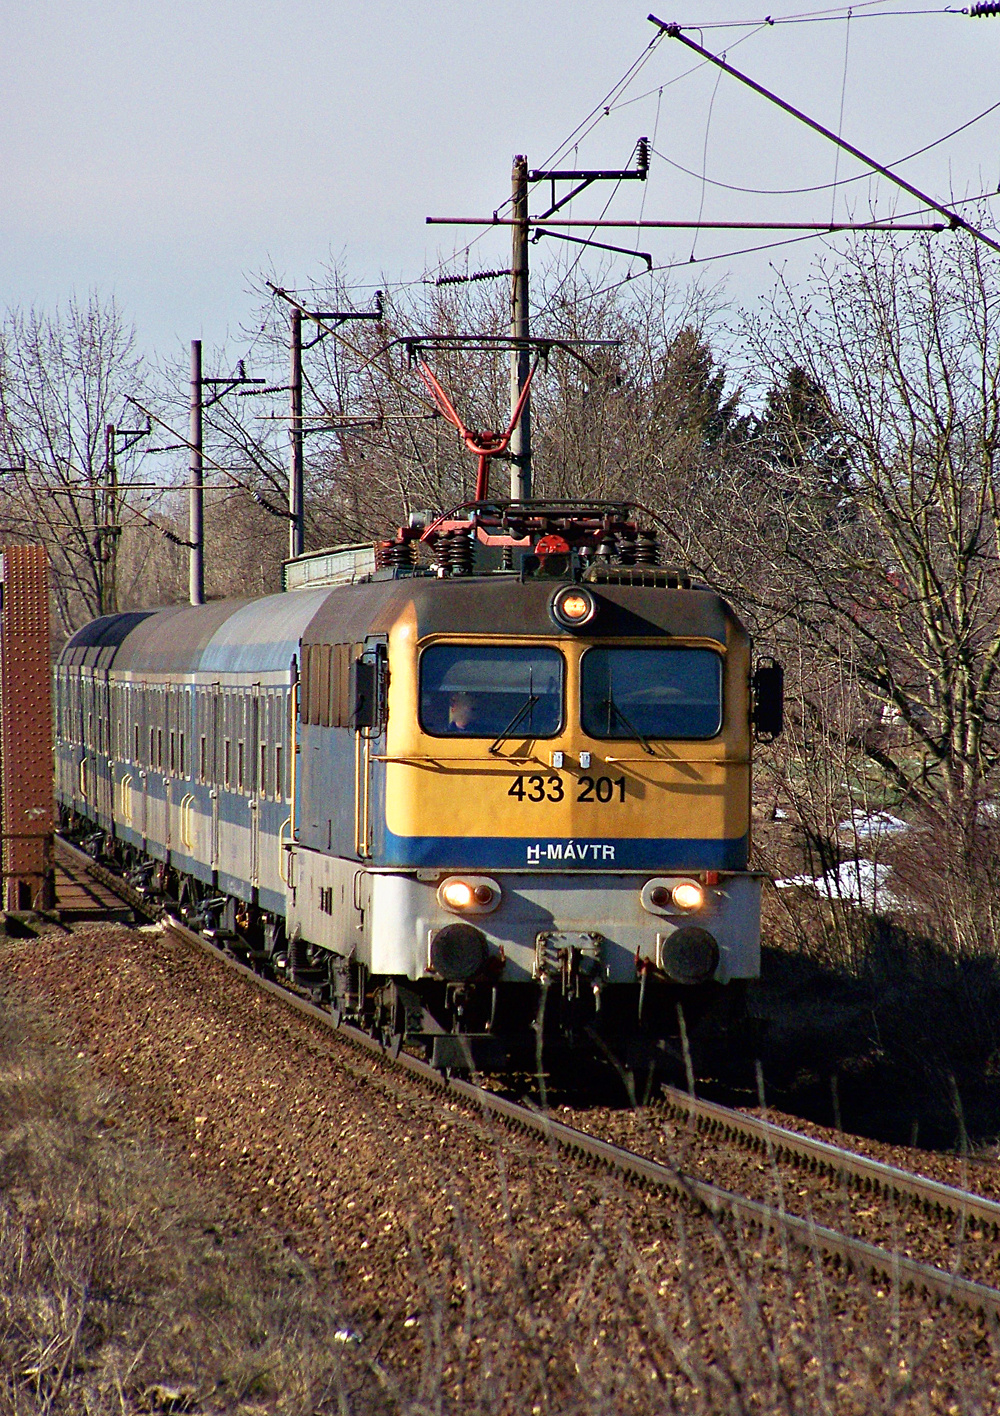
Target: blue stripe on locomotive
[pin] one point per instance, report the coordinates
(578, 853)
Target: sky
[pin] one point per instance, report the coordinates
(170, 153)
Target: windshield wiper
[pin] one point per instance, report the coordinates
(525, 707)
(629, 727)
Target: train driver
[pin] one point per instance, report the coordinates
(461, 713)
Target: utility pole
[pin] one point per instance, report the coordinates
(107, 536)
(196, 463)
(296, 481)
(520, 224)
(520, 354)
(196, 493)
(327, 321)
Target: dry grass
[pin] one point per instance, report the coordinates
(119, 1293)
(122, 1294)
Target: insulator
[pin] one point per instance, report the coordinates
(627, 548)
(642, 157)
(396, 553)
(460, 553)
(606, 548)
(981, 12)
(645, 551)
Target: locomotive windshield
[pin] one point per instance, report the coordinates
(477, 690)
(651, 693)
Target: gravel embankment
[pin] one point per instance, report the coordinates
(483, 1273)
(934, 1239)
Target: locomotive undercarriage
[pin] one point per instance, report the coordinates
(481, 1024)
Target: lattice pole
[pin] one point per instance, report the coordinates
(26, 768)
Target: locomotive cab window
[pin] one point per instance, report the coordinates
(651, 693)
(476, 690)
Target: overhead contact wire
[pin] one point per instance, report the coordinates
(953, 218)
(840, 120)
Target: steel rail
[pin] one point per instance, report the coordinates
(822, 1157)
(858, 1255)
(138, 901)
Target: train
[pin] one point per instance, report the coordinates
(481, 789)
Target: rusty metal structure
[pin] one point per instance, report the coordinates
(26, 790)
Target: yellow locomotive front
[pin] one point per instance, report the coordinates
(554, 807)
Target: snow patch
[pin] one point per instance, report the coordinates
(873, 825)
(859, 882)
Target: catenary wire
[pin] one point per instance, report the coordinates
(828, 16)
(704, 161)
(645, 185)
(840, 121)
(602, 113)
(752, 250)
(825, 186)
(595, 116)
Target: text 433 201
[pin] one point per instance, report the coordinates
(537, 788)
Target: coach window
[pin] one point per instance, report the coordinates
(651, 693)
(263, 741)
(239, 766)
(477, 690)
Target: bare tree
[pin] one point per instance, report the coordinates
(866, 510)
(643, 417)
(64, 379)
(636, 418)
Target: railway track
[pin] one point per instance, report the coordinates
(708, 1119)
(821, 1158)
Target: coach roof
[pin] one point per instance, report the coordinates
(224, 636)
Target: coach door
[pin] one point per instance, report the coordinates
(368, 684)
(253, 743)
(213, 729)
(103, 765)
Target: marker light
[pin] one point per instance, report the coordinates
(573, 607)
(688, 896)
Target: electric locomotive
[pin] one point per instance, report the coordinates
(492, 791)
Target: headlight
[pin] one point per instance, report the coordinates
(685, 896)
(473, 894)
(688, 896)
(457, 894)
(572, 607)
